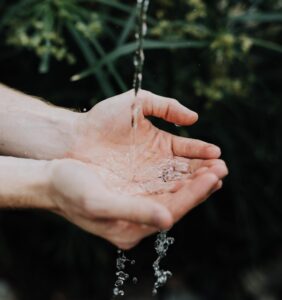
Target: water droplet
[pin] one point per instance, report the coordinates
(135, 280)
(119, 282)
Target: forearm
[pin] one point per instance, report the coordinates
(31, 128)
(24, 183)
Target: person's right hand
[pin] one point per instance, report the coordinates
(81, 196)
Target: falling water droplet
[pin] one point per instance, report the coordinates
(161, 245)
(135, 280)
(121, 274)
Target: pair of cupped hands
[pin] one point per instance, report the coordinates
(124, 193)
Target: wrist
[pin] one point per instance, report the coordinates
(45, 187)
(31, 128)
(64, 133)
(25, 183)
(78, 142)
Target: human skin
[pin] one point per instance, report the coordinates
(99, 193)
(72, 189)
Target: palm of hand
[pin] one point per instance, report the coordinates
(127, 158)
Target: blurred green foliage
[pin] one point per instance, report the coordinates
(221, 58)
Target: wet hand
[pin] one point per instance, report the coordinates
(79, 195)
(105, 137)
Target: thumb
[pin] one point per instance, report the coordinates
(134, 209)
(166, 108)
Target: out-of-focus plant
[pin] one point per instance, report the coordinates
(39, 26)
(227, 29)
(44, 27)
(231, 29)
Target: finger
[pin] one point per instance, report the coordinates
(195, 164)
(134, 209)
(200, 171)
(217, 166)
(194, 148)
(220, 170)
(182, 165)
(133, 233)
(218, 186)
(166, 108)
(193, 194)
(124, 235)
(161, 187)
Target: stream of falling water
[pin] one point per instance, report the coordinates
(138, 61)
(162, 242)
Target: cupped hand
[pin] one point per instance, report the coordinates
(105, 138)
(80, 196)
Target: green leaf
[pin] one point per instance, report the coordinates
(49, 25)
(123, 7)
(258, 17)
(110, 66)
(13, 10)
(91, 58)
(116, 4)
(131, 47)
(128, 27)
(267, 44)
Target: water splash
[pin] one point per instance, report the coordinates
(121, 274)
(162, 244)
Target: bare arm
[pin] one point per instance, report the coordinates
(73, 190)
(21, 183)
(32, 128)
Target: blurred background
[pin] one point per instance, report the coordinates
(222, 59)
